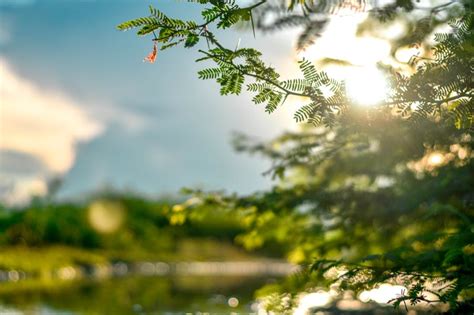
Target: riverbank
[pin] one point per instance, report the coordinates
(194, 257)
(134, 294)
(203, 274)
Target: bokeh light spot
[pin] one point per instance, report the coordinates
(106, 216)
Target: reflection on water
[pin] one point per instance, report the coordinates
(136, 295)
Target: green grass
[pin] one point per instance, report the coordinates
(37, 261)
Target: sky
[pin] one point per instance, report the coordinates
(78, 103)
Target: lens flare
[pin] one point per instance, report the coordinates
(106, 216)
(435, 159)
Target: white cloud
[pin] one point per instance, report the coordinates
(20, 191)
(109, 114)
(41, 123)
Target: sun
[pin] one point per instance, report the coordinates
(366, 86)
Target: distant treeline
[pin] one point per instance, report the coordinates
(113, 222)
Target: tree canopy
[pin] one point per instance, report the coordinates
(445, 76)
(363, 196)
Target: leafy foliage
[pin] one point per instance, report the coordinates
(448, 77)
(149, 225)
(382, 195)
(441, 86)
(364, 205)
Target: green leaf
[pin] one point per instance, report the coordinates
(191, 40)
(137, 23)
(148, 29)
(210, 73)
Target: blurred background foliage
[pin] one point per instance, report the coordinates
(55, 256)
(116, 226)
(374, 201)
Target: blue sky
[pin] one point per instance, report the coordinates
(149, 128)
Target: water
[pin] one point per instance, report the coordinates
(134, 294)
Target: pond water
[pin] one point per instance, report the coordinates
(134, 294)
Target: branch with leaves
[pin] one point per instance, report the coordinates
(411, 96)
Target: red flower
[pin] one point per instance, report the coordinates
(152, 56)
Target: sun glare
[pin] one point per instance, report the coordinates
(366, 86)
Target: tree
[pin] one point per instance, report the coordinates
(428, 89)
(363, 197)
